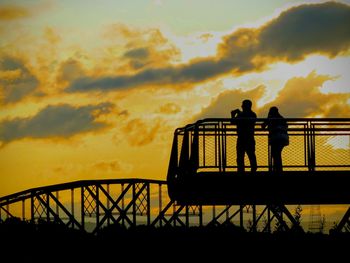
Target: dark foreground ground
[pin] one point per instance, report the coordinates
(25, 242)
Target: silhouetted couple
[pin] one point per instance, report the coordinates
(278, 137)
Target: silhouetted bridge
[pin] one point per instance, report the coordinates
(203, 186)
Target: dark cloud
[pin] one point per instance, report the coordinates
(16, 81)
(138, 57)
(200, 70)
(319, 28)
(138, 53)
(298, 32)
(58, 121)
(70, 70)
(124, 113)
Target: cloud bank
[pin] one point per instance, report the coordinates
(55, 121)
(296, 33)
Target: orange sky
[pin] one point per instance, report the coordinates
(96, 91)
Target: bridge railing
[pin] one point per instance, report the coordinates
(209, 145)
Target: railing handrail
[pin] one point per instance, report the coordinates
(290, 121)
(223, 128)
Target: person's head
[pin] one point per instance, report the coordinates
(273, 112)
(246, 105)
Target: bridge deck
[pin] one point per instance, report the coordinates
(291, 187)
(203, 167)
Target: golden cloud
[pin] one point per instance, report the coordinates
(51, 36)
(108, 165)
(302, 97)
(139, 133)
(137, 49)
(225, 102)
(169, 108)
(12, 12)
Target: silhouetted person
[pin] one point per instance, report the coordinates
(278, 137)
(245, 121)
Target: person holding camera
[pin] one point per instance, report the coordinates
(245, 121)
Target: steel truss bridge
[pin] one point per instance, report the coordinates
(203, 187)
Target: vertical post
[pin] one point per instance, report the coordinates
(241, 215)
(108, 205)
(311, 146)
(47, 207)
(187, 216)
(160, 202)
(23, 210)
(214, 214)
(57, 208)
(72, 205)
(227, 212)
(123, 220)
(185, 152)
(200, 216)
(254, 219)
(82, 207)
(306, 149)
(174, 206)
(8, 209)
(32, 219)
(224, 149)
(219, 147)
(268, 220)
(216, 145)
(313, 149)
(148, 204)
(97, 187)
(204, 147)
(134, 204)
(194, 157)
(175, 160)
(269, 157)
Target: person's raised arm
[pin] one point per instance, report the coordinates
(234, 113)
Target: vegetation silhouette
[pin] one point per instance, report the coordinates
(54, 242)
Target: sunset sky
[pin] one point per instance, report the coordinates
(95, 89)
